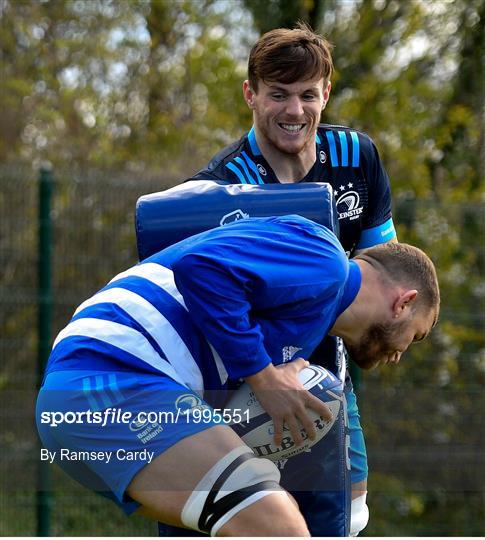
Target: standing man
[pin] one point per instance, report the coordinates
(287, 89)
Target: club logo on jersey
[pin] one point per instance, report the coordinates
(236, 215)
(189, 402)
(261, 169)
(348, 203)
(289, 352)
(323, 156)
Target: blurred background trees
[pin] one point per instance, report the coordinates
(151, 89)
(131, 84)
(140, 83)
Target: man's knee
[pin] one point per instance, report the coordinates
(241, 496)
(275, 515)
(232, 493)
(359, 488)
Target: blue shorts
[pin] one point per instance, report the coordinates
(105, 450)
(357, 452)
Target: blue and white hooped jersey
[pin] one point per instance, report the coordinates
(217, 306)
(139, 322)
(347, 159)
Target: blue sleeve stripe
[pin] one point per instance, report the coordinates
(377, 235)
(355, 149)
(249, 176)
(317, 139)
(237, 172)
(252, 166)
(344, 148)
(333, 149)
(253, 143)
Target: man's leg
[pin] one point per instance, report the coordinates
(321, 503)
(331, 354)
(183, 498)
(358, 464)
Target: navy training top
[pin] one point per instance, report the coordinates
(347, 159)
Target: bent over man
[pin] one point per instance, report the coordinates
(185, 326)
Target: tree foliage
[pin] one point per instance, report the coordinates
(105, 83)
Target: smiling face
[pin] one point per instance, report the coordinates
(286, 116)
(385, 343)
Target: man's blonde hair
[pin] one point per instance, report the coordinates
(407, 265)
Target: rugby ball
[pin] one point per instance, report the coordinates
(257, 429)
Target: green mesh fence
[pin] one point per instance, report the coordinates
(93, 237)
(423, 421)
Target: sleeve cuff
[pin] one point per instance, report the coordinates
(377, 235)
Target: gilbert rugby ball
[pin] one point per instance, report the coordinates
(258, 432)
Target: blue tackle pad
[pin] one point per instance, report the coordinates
(166, 217)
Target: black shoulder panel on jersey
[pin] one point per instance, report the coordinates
(226, 154)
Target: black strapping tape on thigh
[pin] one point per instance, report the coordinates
(204, 515)
(231, 500)
(213, 511)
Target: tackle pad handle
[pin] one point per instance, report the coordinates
(166, 217)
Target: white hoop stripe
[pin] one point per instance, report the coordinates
(158, 327)
(157, 274)
(120, 336)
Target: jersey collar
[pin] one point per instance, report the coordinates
(253, 143)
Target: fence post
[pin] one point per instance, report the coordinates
(44, 329)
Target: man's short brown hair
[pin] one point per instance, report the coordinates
(407, 265)
(288, 56)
